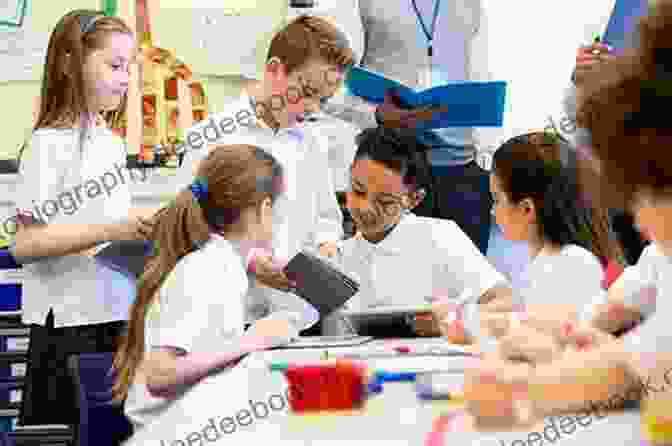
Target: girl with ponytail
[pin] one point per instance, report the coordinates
(188, 318)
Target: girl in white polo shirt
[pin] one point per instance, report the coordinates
(534, 183)
(73, 196)
(630, 143)
(188, 320)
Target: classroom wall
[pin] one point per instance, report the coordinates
(18, 98)
(172, 29)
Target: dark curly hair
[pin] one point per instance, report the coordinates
(626, 108)
(399, 150)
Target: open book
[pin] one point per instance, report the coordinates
(467, 104)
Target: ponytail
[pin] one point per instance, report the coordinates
(179, 229)
(231, 179)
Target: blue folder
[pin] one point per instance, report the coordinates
(468, 104)
(621, 32)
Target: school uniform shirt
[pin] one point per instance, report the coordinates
(420, 258)
(65, 179)
(305, 215)
(653, 335)
(191, 315)
(571, 276)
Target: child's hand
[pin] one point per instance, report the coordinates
(328, 249)
(587, 59)
(583, 337)
(271, 332)
(269, 272)
(451, 323)
(524, 343)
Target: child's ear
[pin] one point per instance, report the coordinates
(275, 68)
(527, 205)
(416, 198)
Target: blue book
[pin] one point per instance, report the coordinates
(467, 104)
(621, 32)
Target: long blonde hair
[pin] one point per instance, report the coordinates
(237, 177)
(63, 95)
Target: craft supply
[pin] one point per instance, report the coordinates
(449, 422)
(440, 386)
(375, 385)
(386, 376)
(281, 366)
(339, 386)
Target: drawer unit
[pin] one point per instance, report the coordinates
(12, 366)
(11, 394)
(11, 279)
(14, 340)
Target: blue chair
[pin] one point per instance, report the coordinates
(101, 421)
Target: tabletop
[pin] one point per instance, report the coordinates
(393, 417)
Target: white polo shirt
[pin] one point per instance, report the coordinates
(421, 257)
(190, 314)
(63, 182)
(571, 276)
(306, 215)
(653, 334)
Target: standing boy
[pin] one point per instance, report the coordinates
(305, 65)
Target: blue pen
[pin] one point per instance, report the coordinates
(395, 376)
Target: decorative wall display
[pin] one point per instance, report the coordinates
(12, 12)
(171, 100)
(22, 48)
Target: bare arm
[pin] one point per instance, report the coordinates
(168, 369)
(36, 242)
(614, 314)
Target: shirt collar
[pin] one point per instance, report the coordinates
(395, 241)
(294, 132)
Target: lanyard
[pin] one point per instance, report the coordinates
(428, 33)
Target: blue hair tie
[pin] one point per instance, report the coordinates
(199, 188)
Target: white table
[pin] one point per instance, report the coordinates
(394, 417)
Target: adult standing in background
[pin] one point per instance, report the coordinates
(423, 43)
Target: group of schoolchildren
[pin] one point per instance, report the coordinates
(213, 289)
